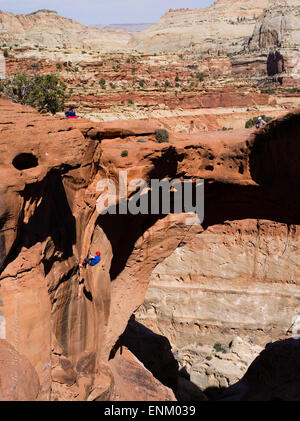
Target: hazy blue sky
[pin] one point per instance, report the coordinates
(104, 11)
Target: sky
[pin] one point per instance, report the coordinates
(93, 12)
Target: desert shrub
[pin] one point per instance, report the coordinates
(141, 83)
(252, 121)
(201, 76)
(219, 348)
(142, 140)
(268, 91)
(44, 92)
(112, 85)
(102, 83)
(124, 154)
(5, 53)
(130, 102)
(59, 66)
(292, 90)
(156, 84)
(162, 136)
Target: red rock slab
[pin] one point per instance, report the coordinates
(133, 382)
(18, 379)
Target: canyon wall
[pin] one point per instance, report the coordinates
(207, 281)
(46, 29)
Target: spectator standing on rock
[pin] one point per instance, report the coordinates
(260, 123)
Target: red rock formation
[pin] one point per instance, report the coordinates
(18, 379)
(66, 320)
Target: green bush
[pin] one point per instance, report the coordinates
(201, 76)
(251, 123)
(141, 83)
(219, 348)
(102, 83)
(59, 66)
(45, 92)
(130, 102)
(162, 136)
(5, 53)
(268, 91)
(124, 154)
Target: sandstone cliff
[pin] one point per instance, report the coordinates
(241, 264)
(224, 27)
(46, 29)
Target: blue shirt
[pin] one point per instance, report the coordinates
(95, 261)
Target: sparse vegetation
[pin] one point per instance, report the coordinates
(201, 76)
(102, 83)
(162, 136)
(44, 92)
(219, 348)
(252, 121)
(124, 154)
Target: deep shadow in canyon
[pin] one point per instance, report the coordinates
(155, 353)
(52, 218)
(273, 376)
(222, 202)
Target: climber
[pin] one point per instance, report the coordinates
(260, 123)
(92, 260)
(71, 113)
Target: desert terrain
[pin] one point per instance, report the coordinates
(173, 312)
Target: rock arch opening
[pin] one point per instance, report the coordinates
(24, 161)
